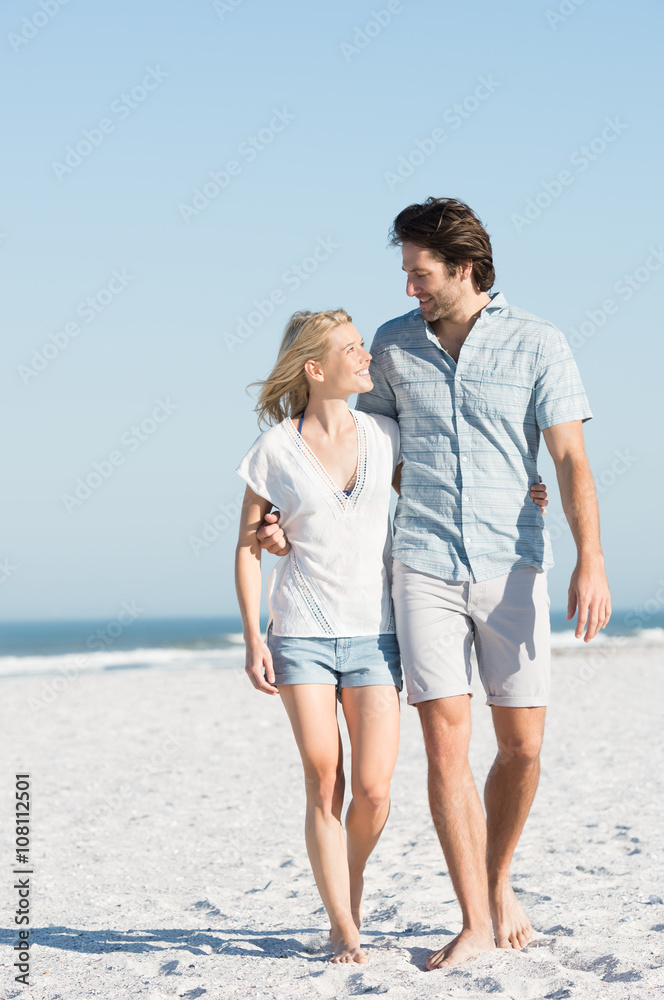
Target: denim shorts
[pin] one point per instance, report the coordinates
(349, 662)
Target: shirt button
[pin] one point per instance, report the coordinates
(464, 458)
(467, 499)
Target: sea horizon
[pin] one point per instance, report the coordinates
(205, 634)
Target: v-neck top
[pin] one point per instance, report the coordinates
(336, 579)
(317, 463)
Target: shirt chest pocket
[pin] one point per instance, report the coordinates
(426, 395)
(496, 393)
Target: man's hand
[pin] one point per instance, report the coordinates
(589, 596)
(271, 536)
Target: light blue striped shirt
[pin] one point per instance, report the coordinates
(470, 435)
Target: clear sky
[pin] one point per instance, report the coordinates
(301, 126)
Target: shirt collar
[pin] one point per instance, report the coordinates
(496, 305)
(498, 302)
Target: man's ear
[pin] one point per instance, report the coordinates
(465, 271)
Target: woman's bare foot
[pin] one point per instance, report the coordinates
(511, 926)
(347, 946)
(356, 888)
(468, 944)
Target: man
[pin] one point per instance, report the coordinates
(473, 382)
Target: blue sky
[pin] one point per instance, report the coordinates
(124, 288)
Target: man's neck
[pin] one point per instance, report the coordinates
(452, 330)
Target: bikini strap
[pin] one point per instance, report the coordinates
(299, 428)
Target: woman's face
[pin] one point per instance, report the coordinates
(346, 367)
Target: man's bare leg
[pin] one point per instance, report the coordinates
(459, 820)
(508, 795)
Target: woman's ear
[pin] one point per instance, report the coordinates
(314, 371)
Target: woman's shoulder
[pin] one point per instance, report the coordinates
(270, 441)
(385, 433)
(385, 425)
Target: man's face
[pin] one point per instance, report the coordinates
(429, 281)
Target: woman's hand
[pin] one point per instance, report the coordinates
(258, 666)
(271, 535)
(539, 495)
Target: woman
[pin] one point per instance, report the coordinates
(329, 470)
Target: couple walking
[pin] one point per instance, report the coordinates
(452, 401)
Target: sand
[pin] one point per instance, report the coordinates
(169, 858)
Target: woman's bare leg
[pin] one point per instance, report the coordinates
(373, 719)
(312, 710)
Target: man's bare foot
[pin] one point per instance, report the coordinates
(356, 888)
(468, 944)
(347, 947)
(511, 926)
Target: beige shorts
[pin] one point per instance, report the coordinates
(507, 618)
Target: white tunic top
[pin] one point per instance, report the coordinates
(336, 579)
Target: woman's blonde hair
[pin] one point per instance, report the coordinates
(285, 392)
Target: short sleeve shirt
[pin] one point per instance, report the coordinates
(336, 579)
(470, 434)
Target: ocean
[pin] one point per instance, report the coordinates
(46, 647)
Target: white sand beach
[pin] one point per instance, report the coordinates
(169, 857)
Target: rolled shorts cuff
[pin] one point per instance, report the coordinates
(504, 701)
(291, 676)
(435, 695)
(367, 680)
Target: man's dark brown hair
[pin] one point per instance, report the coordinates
(450, 230)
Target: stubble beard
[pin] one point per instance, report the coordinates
(443, 306)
